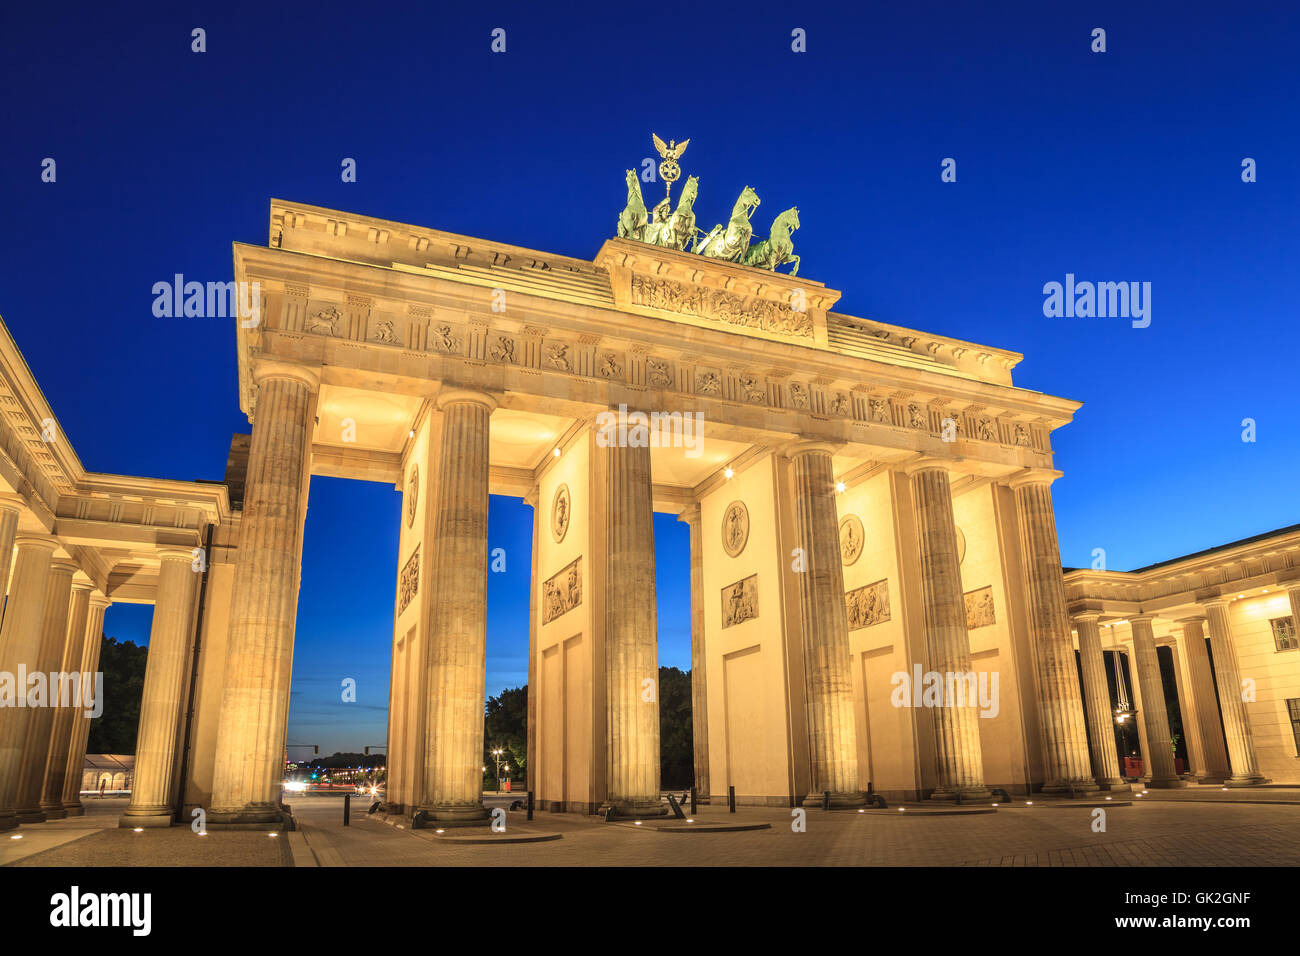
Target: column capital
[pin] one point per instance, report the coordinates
(178, 553)
(464, 396)
(928, 463)
(11, 501)
(270, 369)
(1196, 617)
(1093, 617)
(1215, 602)
(81, 582)
(98, 599)
(36, 540)
(65, 565)
(797, 448)
(690, 514)
(533, 497)
(1033, 476)
(1143, 619)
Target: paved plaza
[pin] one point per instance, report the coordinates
(1195, 827)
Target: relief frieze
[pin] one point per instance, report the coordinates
(719, 306)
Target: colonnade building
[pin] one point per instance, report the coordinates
(868, 505)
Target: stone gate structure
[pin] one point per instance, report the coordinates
(876, 594)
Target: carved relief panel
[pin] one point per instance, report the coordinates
(740, 601)
(868, 605)
(562, 591)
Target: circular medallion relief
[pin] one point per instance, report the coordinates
(560, 512)
(412, 494)
(852, 539)
(961, 546)
(735, 528)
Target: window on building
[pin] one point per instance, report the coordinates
(1293, 710)
(1284, 635)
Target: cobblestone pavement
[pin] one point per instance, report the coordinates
(1145, 834)
(1156, 830)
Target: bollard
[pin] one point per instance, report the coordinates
(692, 801)
(347, 808)
(530, 804)
(731, 799)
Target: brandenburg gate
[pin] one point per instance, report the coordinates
(868, 506)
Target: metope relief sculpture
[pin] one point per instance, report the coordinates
(412, 494)
(408, 582)
(563, 591)
(979, 608)
(740, 601)
(735, 528)
(868, 605)
(852, 539)
(560, 513)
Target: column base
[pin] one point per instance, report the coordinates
(1115, 785)
(54, 813)
(1070, 788)
(1163, 783)
(30, 816)
(971, 795)
(8, 822)
(255, 816)
(152, 817)
(633, 809)
(450, 815)
(1212, 778)
(74, 809)
(840, 800)
(1250, 780)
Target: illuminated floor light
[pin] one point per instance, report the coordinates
(690, 821)
(1029, 803)
(273, 834)
(138, 830)
(16, 836)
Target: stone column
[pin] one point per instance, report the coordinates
(823, 621)
(1065, 739)
(699, 685)
(1100, 713)
(961, 761)
(91, 646)
(534, 693)
(631, 632)
(54, 635)
(10, 509)
(162, 703)
(249, 767)
(1236, 727)
(20, 646)
(56, 767)
(456, 606)
(1159, 755)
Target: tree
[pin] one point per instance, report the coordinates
(676, 735)
(114, 731)
(505, 726)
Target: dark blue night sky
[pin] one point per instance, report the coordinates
(1122, 166)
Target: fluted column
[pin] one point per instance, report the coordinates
(534, 692)
(1060, 707)
(1236, 727)
(957, 739)
(1160, 755)
(10, 509)
(699, 681)
(249, 766)
(20, 647)
(161, 704)
(56, 767)
(828, 681)
(91, 646)
(456, 606)
(54, 635)
(1098, 709)
(1214, 750)
(631, 632)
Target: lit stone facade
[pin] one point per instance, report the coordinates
(877, 600)
(1227, 621)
